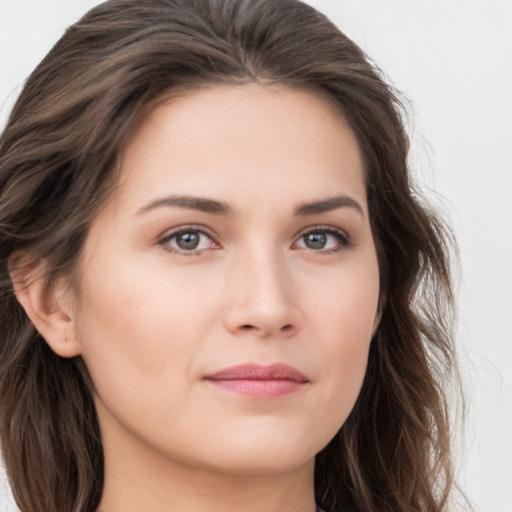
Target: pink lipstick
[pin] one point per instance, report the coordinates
(260, 381)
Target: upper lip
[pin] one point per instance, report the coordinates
(252, 371)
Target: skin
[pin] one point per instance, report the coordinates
(152, 320)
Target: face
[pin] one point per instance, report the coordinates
(229, 289)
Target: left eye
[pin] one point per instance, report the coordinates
(322, 240)
(188, 241)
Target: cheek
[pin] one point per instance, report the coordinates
(139, 338)
(341, 379)
(344, 322)
(344, 305)
(143, 326)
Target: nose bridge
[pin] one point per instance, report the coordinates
(262, 300)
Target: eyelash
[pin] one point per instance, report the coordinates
(341, 236)
(166, 239)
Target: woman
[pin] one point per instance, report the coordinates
(220, 290)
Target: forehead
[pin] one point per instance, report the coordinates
(238, 140)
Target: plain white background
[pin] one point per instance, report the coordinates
(453, 60)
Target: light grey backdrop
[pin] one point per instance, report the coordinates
(453, 59)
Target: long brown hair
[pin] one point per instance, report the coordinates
(58, 158)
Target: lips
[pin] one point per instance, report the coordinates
(260, 381)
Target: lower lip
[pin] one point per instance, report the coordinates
(260, 388)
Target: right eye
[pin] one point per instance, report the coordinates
(188, 241)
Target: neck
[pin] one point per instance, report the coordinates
(138, 477)
(129, 489)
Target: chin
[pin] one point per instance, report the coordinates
(263, 451)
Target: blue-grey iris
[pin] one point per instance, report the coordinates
(188, 241)
(315, 240)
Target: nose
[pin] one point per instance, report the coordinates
(262, 299)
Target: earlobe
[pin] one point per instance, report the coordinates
(47, 306)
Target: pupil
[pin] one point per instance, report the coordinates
(315, 240)
(188, 241)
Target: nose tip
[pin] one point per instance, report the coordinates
(262, 304)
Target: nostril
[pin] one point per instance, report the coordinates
(249, 327)
(266, 329)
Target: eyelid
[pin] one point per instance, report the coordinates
(344, 238)
(163, 239)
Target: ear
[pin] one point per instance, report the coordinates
(49, 307)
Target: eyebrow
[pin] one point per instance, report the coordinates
(202, 204)
(327, 205)
(215, 207)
